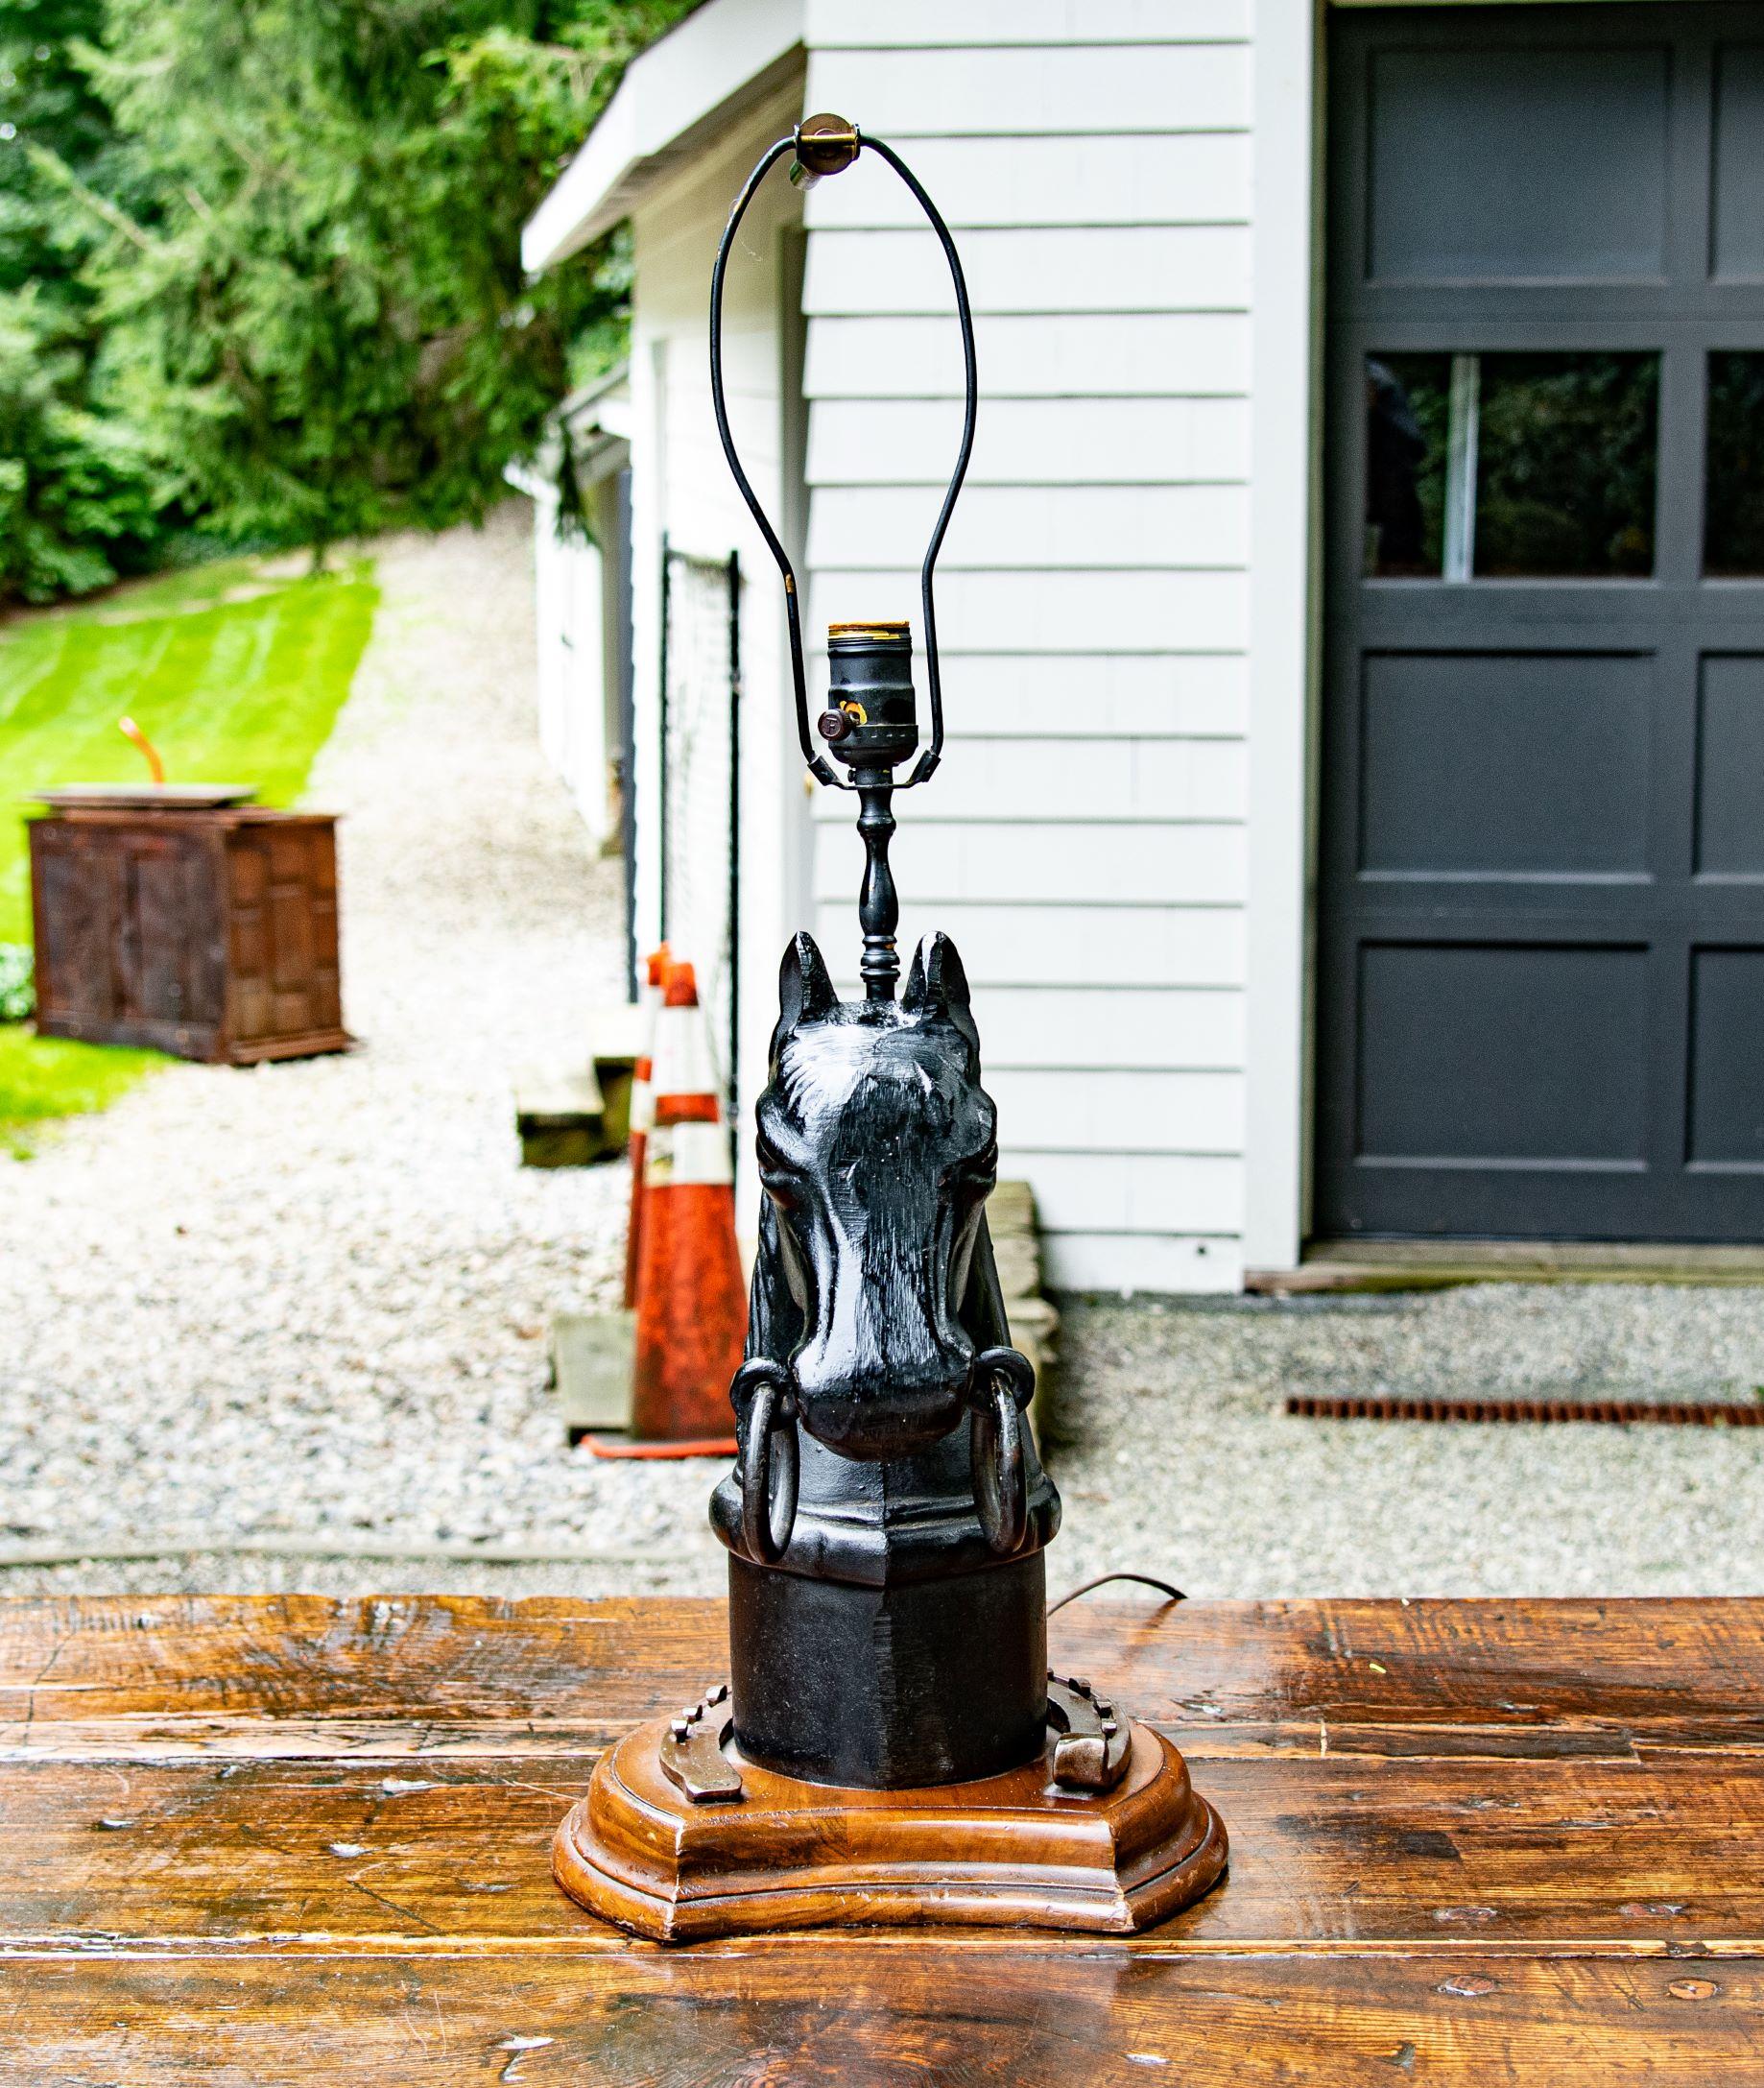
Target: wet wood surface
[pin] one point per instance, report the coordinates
(294, 1840)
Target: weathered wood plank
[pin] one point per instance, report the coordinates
(1474, 1842)
(1665, 1670)
(1332, 1852)
(893, 2012)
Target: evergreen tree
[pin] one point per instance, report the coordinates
(80, 500)
(260, 264)
(329, 330)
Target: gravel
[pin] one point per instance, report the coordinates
(1178, 1460)
(311, 1298)
(302, 1306)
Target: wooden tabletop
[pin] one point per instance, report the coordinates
(290, 1839)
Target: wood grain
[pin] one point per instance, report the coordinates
(1009, 1851)
(1619, 1673)
(884, 2014)
(297, 1840)
(1346, 1851)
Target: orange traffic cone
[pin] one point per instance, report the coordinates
(692, 1308)
(642, 1116)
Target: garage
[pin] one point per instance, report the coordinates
(1541, 959)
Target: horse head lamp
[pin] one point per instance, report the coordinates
(888, 1514)
(877, 1145)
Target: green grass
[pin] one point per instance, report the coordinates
(43, 1078)
(235, 677)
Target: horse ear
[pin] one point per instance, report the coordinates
(935, 983)
(805, 988)
(937, 988)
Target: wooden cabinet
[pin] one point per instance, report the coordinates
(205, 930)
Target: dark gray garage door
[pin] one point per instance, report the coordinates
(1541, 988)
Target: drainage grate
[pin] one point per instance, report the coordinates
(1689, 1414)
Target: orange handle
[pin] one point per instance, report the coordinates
(129, 730)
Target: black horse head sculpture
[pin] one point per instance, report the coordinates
(877, 1149)
(876, 1325)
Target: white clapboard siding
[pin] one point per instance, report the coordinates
(1000, 528)
(1093, 1112)
(1093, 695)
(1194, 178)
(864, 24)
(1100, 90)
(1083, 842)
(1075, 946)
(1045, 442)
(1035, 355)
(1064, 862)
(1049, 778)
(1057, 612)
(1126, 1262)
(1127, 1029)
(1130, 1192)
(1015, 779)
(1133, 268)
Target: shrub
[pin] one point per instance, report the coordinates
(17, 983)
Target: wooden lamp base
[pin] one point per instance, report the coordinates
(758, 1851)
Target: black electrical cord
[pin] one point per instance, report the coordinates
(1101, 1580)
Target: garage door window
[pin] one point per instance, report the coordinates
(1511, 467)
(1734, 527)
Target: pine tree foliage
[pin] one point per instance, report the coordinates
(286, 234)
(80, 498)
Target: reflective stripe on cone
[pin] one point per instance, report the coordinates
(692, 1308)
(642, 1116)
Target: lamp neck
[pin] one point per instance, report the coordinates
(878, 906)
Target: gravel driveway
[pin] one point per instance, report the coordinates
(292, 1318)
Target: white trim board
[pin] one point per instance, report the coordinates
(1283, 521)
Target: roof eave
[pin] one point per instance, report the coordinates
(725, 59)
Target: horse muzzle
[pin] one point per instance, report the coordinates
(769, 1401)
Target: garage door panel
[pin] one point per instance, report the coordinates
(1492, 165)
(1738, 241)
(1505, 764)
(1541, 952)
(1726, 1051)
(1502, 1055)
(1730, 766)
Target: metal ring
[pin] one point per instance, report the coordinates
(991, 1364)
(768, 1485)
(1001, 1484)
